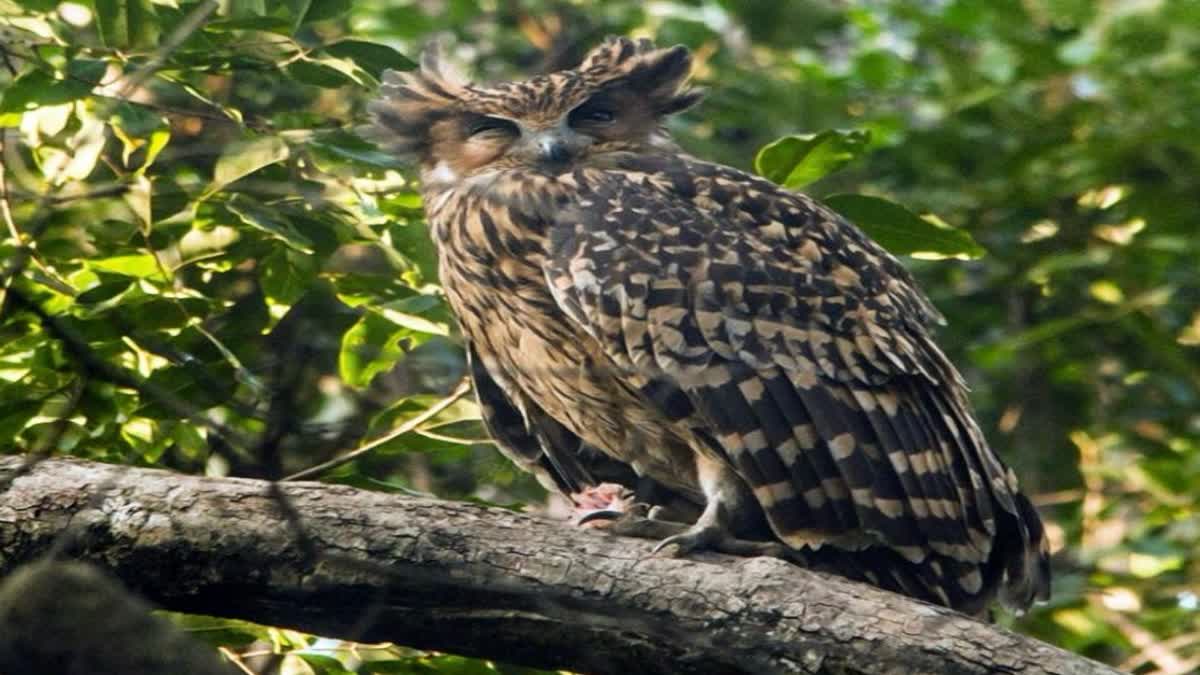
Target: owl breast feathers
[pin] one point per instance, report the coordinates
(639, 316)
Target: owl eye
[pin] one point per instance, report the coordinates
(484, 125)
(592, 113)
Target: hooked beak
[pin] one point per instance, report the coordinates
(552, 148)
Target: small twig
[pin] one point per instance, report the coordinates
(1177, 643)
(110, 190)
(235, 660)
(191, 23)
(8, 64)
(409, 425)
(1166, 660)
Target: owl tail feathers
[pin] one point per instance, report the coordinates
(1017, 571)
(969, 588)
(1028, 570)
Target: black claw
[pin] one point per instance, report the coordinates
(599, 514)
(696, 538)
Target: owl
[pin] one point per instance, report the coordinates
(648, 329)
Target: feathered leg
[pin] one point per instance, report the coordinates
(729, 509)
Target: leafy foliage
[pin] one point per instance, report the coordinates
(797, 160)
(190, 224)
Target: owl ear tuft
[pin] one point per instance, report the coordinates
(437, 67)
(614, 51)
(659, 76)
(412, 101)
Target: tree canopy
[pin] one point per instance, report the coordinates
(205, 267)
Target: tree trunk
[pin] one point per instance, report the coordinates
(480, 581)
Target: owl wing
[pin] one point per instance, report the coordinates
(802, 349)
(537, 443)
(540, 445)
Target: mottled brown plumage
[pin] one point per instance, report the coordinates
(632, 311)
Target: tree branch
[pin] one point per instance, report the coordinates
(481, 581)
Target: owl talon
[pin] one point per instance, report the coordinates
(639, 522)
(756, 549)
(696, 538)
(598, 517)
(676, 539)
(597, 505)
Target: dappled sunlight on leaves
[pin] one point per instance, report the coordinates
(206, 220)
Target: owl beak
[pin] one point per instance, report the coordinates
(552, 149)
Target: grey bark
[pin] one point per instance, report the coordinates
(482, 581)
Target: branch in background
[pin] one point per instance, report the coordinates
(486, 582)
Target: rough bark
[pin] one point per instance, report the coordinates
(482, 581)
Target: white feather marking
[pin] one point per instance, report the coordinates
(442, 173)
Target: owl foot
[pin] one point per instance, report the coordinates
(698, 538)
(599, 505)
(644, 522)
(676, 539)
(636, 520)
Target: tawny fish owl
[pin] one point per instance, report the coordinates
(634, 312)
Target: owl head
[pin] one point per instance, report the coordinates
(614, 101)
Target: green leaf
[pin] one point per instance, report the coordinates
(325, 71)
(242, 323)
(126, 23)
(139, 127)
(796, 161)
(86, 73)
(152, 313)
(39, 88)
(137, 265)
(189, 441)
(412, 238)
(15, 415)
(286, 275)
(405, 312)
(323, 10)
(103, 292)
(343, 145)
(270, 221)
(167, 199)
(201, 386)
(244, 158)
(903, 232)
(247, 8)
(322, 664)
(371, 56)
(143, 435)
(371, 346)
(230, 633)
(269, 24)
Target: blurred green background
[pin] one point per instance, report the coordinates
(185, 194)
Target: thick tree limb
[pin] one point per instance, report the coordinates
(483, 581)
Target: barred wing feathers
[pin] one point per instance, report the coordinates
(803, 350)
(539, 444)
